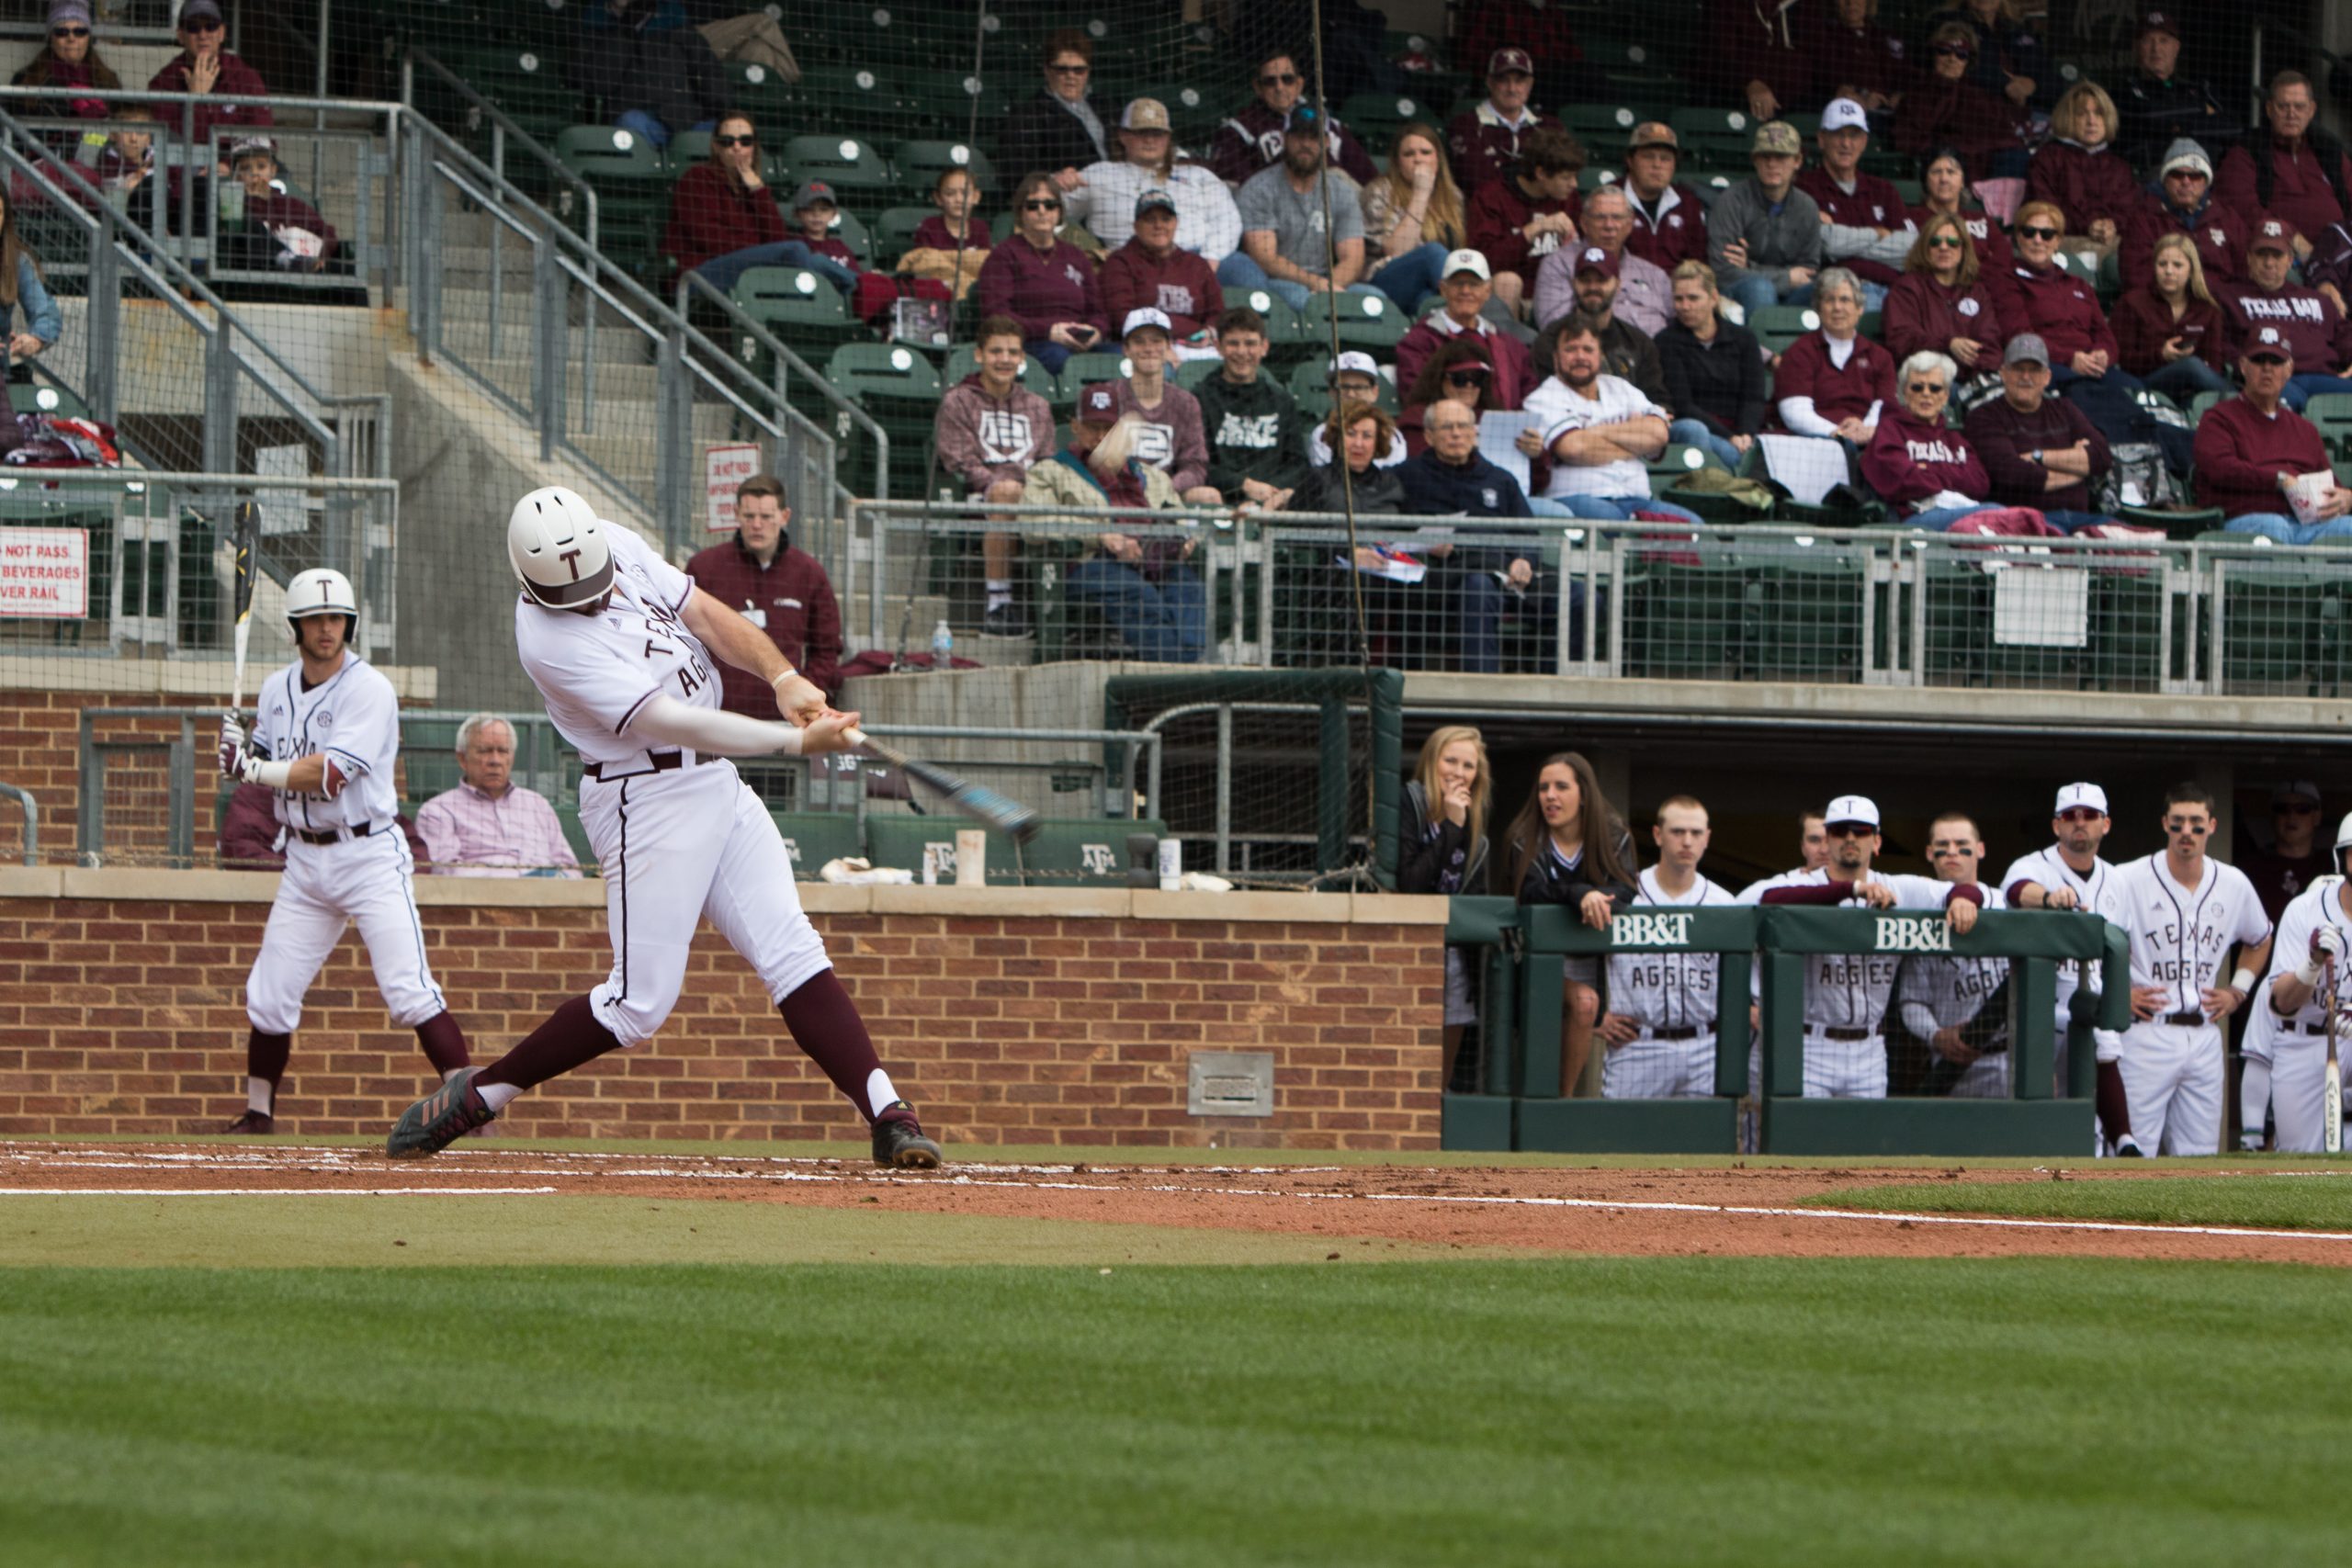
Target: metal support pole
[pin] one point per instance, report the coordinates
(181, 797)
(674, 419)
(33, 820)
(219, 400)
(102, 321)
(548, 328)
(1224, 788)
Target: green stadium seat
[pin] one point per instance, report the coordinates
(851, 100)
(761, 93)
(1194, 374)
(797, 306)
(920, 165)
(1802, 612)
(893, 231)
(1683, 613)
(845, 163)
(1362, 321)
(900, 389)
(1778, 326)
(1376, 117)
(632, 185)
(1081, 371)
(813, 838)
(1606, 129)
(1714, 137)
(1193, 114)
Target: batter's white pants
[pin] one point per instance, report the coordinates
(678, 848)
(1659, 1070)
(2297, 1070)
(1844, 1069)
(2173, 1080)
(364, 882)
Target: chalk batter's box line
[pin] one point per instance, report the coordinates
(274, 1191)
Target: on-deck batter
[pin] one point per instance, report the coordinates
(1659, 1031)
(325, 734)
(2183, 911)
(2286, 1039)
(622, 646)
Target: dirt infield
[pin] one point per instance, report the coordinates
(1728, 1211)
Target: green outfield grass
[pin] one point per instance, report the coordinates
(1592, 1411)
(2321, 1201)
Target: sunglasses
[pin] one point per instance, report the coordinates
(2184, 173)
(2297, 809)
(1943, 242)
(2035, 231)
(69, 32)
(2197, 828)
(734, 141)
(1465, 377)
(202, 25)
(1926, 387)
(1070, 69)
(1041, 205)
(1955, 51)
(1287, 79)
(2080, 814)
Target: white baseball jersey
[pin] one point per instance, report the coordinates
(354, 718)
(2179, 934)
(2320, 903)
(595, 671)
(1937, 992)
(1851, 990)
(1669, 990)
(2048, 869)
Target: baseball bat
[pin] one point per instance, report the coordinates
(2331, 1094)
(983, 805)
(243, 534)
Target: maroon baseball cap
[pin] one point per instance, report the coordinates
(2272, 234)
(1592, 258)
(1506, 60)
(2160, 22)
(1099, 404)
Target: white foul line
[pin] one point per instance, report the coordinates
(273, 1192)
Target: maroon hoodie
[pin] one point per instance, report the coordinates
(1180, 283)
(2143, 324)
(1923, 314)
(1908, 461)
(1874, 204)
(2085, 183)
(2315, 331)
(2241, 453)
(1039, 288)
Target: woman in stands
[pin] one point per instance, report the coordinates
(1835, 384)
(1042, 280)
(1568, 846)
(1413, 217)
(1461, 372)
(1367, 439)
(1443, 849)
(1944, 302)
(2080, 171)
(1716, 380)
(204, 68)
(1943, 181)
(1058, 130)
(2085, 358)
(69, 60)
(724, 220)
(1921, 466)
(1944, 109)
(28, 316)
(2010, 62)
(2172, 333)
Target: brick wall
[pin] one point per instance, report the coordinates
(1008, 1016)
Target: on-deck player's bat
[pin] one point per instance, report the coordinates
(244, 534)
(2331, 1093)
(981, 805)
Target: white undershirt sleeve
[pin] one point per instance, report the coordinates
(1798, 414)
(666, 721)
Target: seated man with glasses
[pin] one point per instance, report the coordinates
(1251, 141)
(1286, 249)
(204, 68)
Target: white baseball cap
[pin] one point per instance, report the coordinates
(1467, 261)
(1851, 809)
(1360, 363)
(1844, 114)
(1144, 316)
(2074, 796)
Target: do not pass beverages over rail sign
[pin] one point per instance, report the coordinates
(45, 573)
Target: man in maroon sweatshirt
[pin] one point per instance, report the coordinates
(782, 591)
(1865, 225)
(2251, 449)
(2317, 336)
(2038, 451)
(1151, 270)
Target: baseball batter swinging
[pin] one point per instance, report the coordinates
(2287, 1063)
(2183, 911)
(622, 645)
(326, 731)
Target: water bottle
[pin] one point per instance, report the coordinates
(943, 647)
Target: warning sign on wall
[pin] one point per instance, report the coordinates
(45, 573)
(724, 467)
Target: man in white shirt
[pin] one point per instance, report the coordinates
(1104, 200)
(1645, 293)
(1600, 432)
(1944, 1003)
(2183, 911)
(1659, 1031)
(2067, 873)
(2286, 1063)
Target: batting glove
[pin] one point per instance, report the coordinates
(233, 747)
(2326, 942)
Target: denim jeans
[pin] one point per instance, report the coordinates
(1237, 271)
(1700, 434)
(2301, 389)
(1934, 520)
(1607, 508)
(1409, 278)
(653, 130)
(2106, 402)
(1165, 624)
(2287, 531)
(2073, 522)
(1483, 601)
(2184, 378)
(721, 272)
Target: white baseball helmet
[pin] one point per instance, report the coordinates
(321, 591)
(2343, 839)
(558, 548)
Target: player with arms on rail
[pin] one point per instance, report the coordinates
(621, 645)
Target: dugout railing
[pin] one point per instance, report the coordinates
(1519, 1102)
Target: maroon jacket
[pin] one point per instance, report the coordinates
(1756, 41)
(1923, 314)
(2063, 310)
(934, 233)
(1868, 58)
(1480, 151)
(280, 212)
(1908, 461)
(1500, 210)
(1971, 121)
(2002, 436)
(65, 75)
(2299, 192)
(1172, 437)
(1180, 283)
(1666, 240)
(1874, 204)
(1038, 288)
(2218, 233)
(2143, 324)
(2316, 332)
(793, 597)
(2241, 453)
(249, 831)
(237, 80)
(1514, 377)
(710, 215)
(1807, 371)
(2086, 184)
(1993, 257)
(1252, 141)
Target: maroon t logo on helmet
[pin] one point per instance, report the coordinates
(572, 558)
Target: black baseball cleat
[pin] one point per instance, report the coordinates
(440, 1118)
(898, 1142)
(2127, 1148)
(253, 1124)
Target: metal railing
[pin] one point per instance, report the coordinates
(31, 809)
(1884, 606)
(503, 131)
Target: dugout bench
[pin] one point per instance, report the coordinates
(1519, 1103)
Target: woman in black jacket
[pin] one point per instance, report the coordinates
(1057, 132)
(1568, 846)
(1715, 376)
(1443, 849)
(1363, 435)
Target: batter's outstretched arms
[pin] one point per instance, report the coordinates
(722, 630)
(666, 721)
